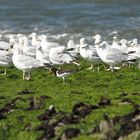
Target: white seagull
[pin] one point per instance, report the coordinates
(47, 45)
(89, 53)
(27, 48)
(5, 45)
(5, 59)
(25, 63)
(42, 56)
(60, 55)
(109, 55)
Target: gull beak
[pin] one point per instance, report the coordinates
(70, 49)
(67, 50)
(12, 45)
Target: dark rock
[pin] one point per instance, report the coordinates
(105, 116)
(81, 109)
(123, 94)
(70, 133)
(53, 120)
(127, 125)
(26, 91)
(49, 131)
(95, 107)
(37, 102)
(48, 114)
(32, 106)
(104, 101)
(127, 100)
(2, 97)
(2, 116)
(136, 107)
(46, 126)
(8, 107)
(127, 128)
(4, 110)
(42, 126)
(45, 97)
(70, 119)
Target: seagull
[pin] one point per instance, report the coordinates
(5, 59)
(5, 45)
(43, 57)
(62, 73)
(47, 45)
(121, 45)
(34, 41)
(109, 55)
(25, 63)
(60, 55)
(135, 47)
(12, 39)
(27, 48)
(44, 49)
(73, 48)
(89, 53)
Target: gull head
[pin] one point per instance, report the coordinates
(43, 37)
(21, 41)
(115, 38)
(123, 41)
(70, 44)
(33, 35)
(82, 41)
(135, 40)
(20, 35)
(97, 38)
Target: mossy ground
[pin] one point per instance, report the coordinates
(84, 86)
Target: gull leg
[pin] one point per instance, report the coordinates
(5, 71)
(91, 67)
(117, 68)
(112, 69)
(76, 63)
(23, 76)
(139, 65)
(28, 76)
(98, 68)
(64, 82)
(108, 69)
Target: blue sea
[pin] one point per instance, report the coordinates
(71, 18)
